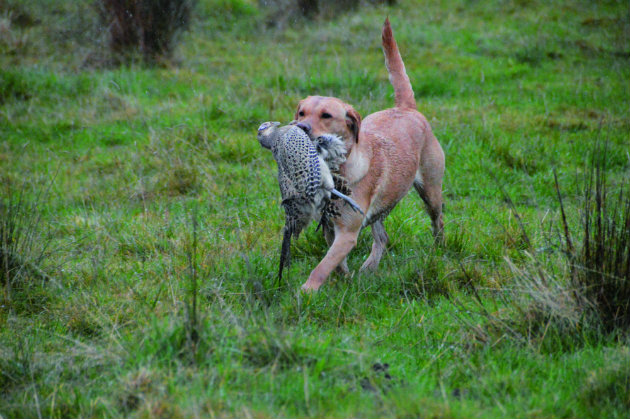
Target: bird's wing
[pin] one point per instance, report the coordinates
(288, 187)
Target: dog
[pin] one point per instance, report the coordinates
(388, 152)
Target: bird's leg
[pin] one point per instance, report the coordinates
(348, 200)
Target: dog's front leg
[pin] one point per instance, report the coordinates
(344, 242)
(329, 235)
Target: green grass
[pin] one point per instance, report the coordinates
(513, 90)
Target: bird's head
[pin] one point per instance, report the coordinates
(265, 133)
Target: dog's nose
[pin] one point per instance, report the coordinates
(305, 126)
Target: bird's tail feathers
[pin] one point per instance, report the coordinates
(285, 252)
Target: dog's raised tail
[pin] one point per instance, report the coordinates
(396, 68)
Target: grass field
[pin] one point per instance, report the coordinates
(148, 287)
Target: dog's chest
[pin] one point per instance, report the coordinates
(356, 167)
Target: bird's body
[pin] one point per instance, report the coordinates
(305, 180)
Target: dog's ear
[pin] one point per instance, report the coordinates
(353, 120)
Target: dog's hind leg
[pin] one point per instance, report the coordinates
(381, 239)
(431, 194)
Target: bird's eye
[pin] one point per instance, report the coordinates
(326, 115)
(264, 126)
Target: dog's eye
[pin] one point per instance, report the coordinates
(301, 113)
(326, 115)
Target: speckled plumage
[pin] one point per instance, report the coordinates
(299, 174)
(304, 177)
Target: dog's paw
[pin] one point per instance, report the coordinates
(310, 286)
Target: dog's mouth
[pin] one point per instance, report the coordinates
(306, 127)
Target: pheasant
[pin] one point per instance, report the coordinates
(304, 176)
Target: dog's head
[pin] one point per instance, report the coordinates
(319, 115)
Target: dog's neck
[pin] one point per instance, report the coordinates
(355, 167)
